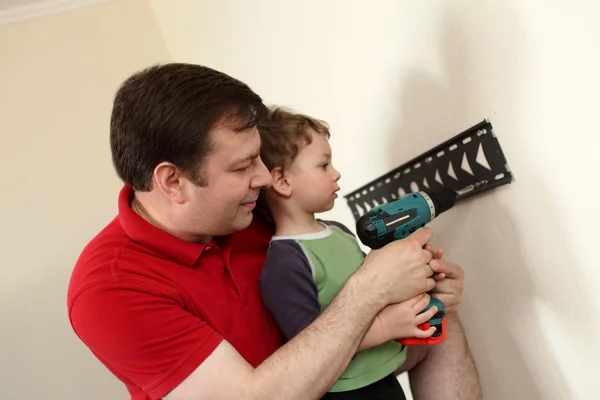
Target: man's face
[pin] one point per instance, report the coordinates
(234, 174)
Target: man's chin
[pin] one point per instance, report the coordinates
(243, 222)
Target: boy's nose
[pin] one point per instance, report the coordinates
(337, 175)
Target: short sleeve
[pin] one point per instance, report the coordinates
(343, 227)
(288, 288)
(142, 335)
(346, 230)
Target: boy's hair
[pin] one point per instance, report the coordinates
(283, 133)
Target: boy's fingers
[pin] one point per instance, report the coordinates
(439, 277)
(426, 316)
(439, 253)
(424, 334)
(422, 302)
(439, 266)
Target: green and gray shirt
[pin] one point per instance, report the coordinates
(302, 275)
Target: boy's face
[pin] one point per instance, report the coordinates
(312, 177)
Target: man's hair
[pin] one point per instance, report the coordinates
(284, 132)
(165, 114)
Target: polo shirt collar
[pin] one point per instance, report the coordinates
(149, 236)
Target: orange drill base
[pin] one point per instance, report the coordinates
(425, 341)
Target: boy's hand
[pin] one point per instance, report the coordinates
(398, 321)
(401, 320)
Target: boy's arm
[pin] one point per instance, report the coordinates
(288, 287)
(374, 336)
(399, 321)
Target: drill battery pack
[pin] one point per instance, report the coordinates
(433, 339)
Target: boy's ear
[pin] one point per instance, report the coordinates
(280, 182)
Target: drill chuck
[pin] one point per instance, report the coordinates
(443, 200)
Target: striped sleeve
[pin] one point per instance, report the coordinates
(288, 287)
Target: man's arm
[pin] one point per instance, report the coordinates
(309, 364)
(304, 368)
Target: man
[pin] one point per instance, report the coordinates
(167, 295)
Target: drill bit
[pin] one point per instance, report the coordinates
(466, 190)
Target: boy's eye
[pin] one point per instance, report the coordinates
(325, 165)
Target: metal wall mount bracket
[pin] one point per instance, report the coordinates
(471, 156)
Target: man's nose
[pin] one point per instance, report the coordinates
(263, 179)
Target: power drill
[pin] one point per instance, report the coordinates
(397, 220)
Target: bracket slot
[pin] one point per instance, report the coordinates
(471, 156)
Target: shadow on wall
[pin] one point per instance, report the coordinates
(500, 311)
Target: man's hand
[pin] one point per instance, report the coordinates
(449, 288)
(399, 271)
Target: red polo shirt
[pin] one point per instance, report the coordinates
(152, 307)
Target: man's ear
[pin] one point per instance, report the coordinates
(280, 182)
(169, 180)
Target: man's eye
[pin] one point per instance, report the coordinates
(241, 169)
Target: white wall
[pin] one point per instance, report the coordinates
(413, 74)
(58, 75)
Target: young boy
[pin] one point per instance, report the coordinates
(309, 260)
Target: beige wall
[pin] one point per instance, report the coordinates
(412, 74)
(58, 75)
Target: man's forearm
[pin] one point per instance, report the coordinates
(312, 361)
